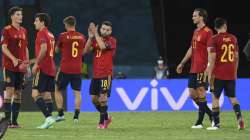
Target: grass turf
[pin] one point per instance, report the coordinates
(129, 126)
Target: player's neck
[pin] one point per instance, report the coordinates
(221, 31)
(71, 29)
(200, 25)
(42, 28)
(16, 25)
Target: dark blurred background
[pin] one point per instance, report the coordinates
(145, 29)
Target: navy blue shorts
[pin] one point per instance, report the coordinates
(43, 82)
(63, 79)
(227, 85)
(13, 79)
(197, 80)
(100, 86)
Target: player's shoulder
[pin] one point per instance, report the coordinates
(232, 36)
(6, 28)
(80, 34)
(216, 36)
(207, 29)
(62, 34)
(112, 38)
(22, 28)
(50, 34)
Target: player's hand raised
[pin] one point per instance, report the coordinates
(95, 30)
(90, 30)
(179, 68)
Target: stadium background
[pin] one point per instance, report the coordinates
(145, 29)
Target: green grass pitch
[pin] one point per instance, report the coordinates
(129, 126)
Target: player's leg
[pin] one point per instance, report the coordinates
(191, 87)
(40, 82)
(94, 92)
(62, 81)
(9, 91)
(17, 98)
(108, 118)
(202, 104)
(47, 96)
(38, 98)
(16, 108)
(59, 103)
(95, 102)
(217, 90)
(48, 101)
(78, 101)
(193, 94)
(76, 83)
(202, 85)
(9, 81)
(103, 100)
(230, 92)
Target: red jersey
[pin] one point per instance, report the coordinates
(199, 57)
(103, 59)
(225, 46)
(71, 45)
(46, 65)
(17, 42)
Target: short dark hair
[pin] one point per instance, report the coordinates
(44, 17)
(107, 23)
(70, 20)
(219, 22)
(202, 13)
(14, 9)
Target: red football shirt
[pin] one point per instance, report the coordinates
(225, 46)
(47, 64)
(103, 59)
(199, 49)
(71, 45)
(17, 42)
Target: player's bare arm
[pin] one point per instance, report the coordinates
(41, 55)
(184, 60)
(7, 52)
(88, 46)
(210, 66)
(236, 62)
(98, 38)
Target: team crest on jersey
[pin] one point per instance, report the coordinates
(8, 80)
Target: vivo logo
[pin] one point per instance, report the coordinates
(155, 91)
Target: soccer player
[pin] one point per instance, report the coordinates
(223, 65)
(44, 69)
(15, 51)
(197, 52)
(71, 45)
(104, 47)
